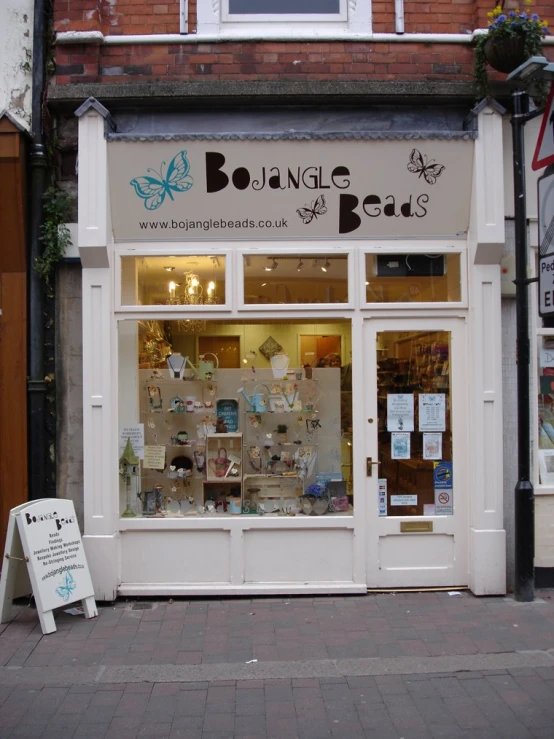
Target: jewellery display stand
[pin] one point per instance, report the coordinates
(264, 467)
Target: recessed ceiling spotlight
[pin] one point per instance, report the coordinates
(169, 269)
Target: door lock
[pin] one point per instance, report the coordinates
(369, 466)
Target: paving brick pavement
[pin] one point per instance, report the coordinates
(405, 665)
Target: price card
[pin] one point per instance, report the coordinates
(154, 457)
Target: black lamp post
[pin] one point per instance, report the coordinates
(524, 510)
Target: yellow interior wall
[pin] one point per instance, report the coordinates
(252, 336)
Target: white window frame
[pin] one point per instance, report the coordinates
(298, 249)
(228, 17)
(408, 247)
(162, 250)
(212, 17)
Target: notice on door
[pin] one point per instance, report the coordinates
(382, 488)
(432, 416)
(444, 488)
(400, 412)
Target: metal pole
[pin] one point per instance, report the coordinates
(524, 497)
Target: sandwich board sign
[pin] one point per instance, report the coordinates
(44, 556)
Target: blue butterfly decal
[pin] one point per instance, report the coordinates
(154, 189)
(69, 585)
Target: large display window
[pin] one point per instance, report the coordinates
(235, 418)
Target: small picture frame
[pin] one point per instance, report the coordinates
(270, 347)
(149, 503)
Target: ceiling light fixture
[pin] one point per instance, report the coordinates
(272, 266)
(169, 269)
(192, 294)
(299, 265)
(326, 266)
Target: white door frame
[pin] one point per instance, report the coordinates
(420, 559)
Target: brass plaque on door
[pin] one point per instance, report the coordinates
(415, 526)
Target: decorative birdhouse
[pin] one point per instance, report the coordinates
(128, 468)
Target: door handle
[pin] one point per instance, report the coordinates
(369, 466)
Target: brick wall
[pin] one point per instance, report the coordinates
(262, 60)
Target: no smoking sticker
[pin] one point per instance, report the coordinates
(443, 503)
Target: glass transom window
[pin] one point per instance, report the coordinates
(295, 279)
(188, 280)
(413, 278)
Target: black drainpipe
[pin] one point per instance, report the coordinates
(36, 386)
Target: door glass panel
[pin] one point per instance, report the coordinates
(415, 424)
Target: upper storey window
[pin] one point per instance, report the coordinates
(279, 10)
(258, 18)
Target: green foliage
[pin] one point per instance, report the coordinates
(54, 233)
(512, 24)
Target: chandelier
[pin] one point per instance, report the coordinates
(192, 294)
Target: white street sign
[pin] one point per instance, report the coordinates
(546, 285)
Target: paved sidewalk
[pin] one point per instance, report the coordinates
(405, 665)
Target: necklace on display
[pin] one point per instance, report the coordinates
(176, 364)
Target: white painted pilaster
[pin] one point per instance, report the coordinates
(99, 389)
(487, 201)
(487, 539)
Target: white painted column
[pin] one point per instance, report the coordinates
(100, 447)
(487, 538)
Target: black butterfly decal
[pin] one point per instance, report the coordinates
(429, 170)
(318, 208)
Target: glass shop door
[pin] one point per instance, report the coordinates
(416, 452)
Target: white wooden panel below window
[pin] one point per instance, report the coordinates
(175, 557)
(298, 556)
(416, 551)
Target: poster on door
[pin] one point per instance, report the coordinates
(400, 412)
(432, 412)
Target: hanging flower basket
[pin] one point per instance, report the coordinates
(512, 37)
(505, 54)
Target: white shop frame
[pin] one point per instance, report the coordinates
(119, 550)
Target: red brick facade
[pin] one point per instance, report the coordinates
(263, 60)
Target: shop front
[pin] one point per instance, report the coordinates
(291, 367)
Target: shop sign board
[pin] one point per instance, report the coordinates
(44, 555)
(250, 189)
